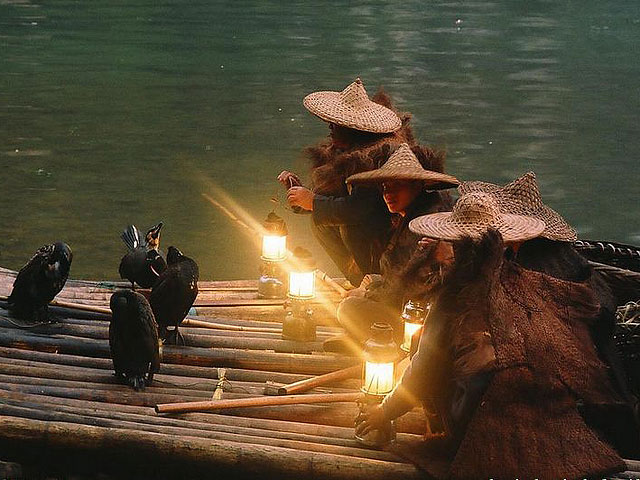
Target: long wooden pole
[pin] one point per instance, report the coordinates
(309, 383)
(214, 405)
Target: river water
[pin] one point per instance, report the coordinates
(120, 112)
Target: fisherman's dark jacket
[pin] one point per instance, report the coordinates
(402, 249)
(501, 362)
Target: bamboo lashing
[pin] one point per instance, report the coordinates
(319, 273)
(256, 402)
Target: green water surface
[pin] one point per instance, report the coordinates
(115, 112)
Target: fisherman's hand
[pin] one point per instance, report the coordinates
(369, 280)
(356, 292)
(289, 179)
(300, 197)
(373, 418)
(426, 242)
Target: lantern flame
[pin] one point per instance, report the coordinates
(274, 248)
(378, 378)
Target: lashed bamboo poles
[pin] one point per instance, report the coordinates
(80, 418)
(202, 455)
(191, 339)
(207, 357)
(53, 359)
(95, 387)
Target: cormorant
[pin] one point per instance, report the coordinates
(143, 264)
(133, 338)
(174, 293)
(39, 281)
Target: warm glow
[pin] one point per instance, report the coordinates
(302, 284)
(274, 247)
(378, 378)
(410, 329)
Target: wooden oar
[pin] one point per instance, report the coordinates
(213, 405)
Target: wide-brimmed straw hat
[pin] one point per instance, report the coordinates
(404, 165)
(352, 108)
(522, 197)
(472, 215)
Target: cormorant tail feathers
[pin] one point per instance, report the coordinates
(132, 238)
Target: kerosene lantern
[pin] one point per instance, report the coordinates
(378, 379)
(299, 323)
(272, 282)
(414, 315)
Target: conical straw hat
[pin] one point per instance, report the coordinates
(404, 165)
(352, 108)
(522, 197)
(472, 215)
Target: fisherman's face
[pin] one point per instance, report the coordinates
(338, 136)
(400, 194)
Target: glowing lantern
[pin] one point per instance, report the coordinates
(274, 251)
(299, 324)
(378, 379)
(380, 356)
(302, 277)
(274, 240)
(414, 315)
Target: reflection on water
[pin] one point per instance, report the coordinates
(118, 114)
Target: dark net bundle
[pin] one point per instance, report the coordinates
(627, 339)
(614, 254)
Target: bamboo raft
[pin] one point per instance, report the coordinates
(62, 412)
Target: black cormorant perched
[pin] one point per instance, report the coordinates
(143, 263)
(39, 281)
(174, 293)
(133, 338)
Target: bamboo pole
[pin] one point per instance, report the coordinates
(74, 306)
(309, 383)
(256, 402)
(169, 454)
(192, 322)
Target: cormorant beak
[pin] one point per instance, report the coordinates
(155, 231)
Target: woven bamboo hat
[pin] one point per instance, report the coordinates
(352, 108)
(522, 197)
(404, 165)
(472, 215)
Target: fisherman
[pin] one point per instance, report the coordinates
(553, 253)
(409, 191)
(353, 227)
(499, 360)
